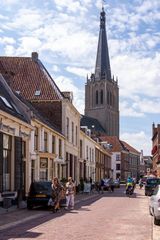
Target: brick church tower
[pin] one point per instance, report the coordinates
(101, 90)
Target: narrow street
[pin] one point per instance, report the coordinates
(110, 216)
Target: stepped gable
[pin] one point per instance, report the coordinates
(29, 77)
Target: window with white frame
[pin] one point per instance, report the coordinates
(118, 157)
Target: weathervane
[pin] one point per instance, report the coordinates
(103, 1)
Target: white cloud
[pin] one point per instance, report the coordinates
(55, 68)
(28, 45)
(27, 19)
(7, 40)
(147, 105)
(147, 6)
(78, 71)
(128, 110)
(70, 5)
(9, 2)
(66, 84)
(137, 75)
(138, 140)
(9, 50)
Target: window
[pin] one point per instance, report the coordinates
(118, 157)
(73, 132)
(37, 92)
(101, 96)
(51, 168)
(81, 148)
(36, 139)
(76, 135)
(87, 152)
(53, 144)
(67, 134)
(118, 166)
(32, 170)
(90, 154)
(60, 148)
(97, 97)
(23, 149)
(5, 101)
(45, 142)
(43, 176)
(6, 162)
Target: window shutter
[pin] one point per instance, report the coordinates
(1, 162)
(18, 164)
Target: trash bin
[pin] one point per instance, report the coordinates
(7, 203)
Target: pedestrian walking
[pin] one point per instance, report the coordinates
(70, 192)
(102, 183)
(111, 185)
(56, 193)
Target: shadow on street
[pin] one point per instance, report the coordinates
(23, 230)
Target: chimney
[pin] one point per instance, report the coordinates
(34, 56)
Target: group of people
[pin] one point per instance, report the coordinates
(59, 192)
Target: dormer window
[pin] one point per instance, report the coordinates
(37, 92)
(5, 101)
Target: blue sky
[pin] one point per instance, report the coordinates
(65, 34)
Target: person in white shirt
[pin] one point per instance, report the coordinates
(70, 192)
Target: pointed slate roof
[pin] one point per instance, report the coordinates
(90, 122)
(29, 77)
(102, 68)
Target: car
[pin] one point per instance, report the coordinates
(39, 194)
(154, 205)
(116, 183)
(150, 185)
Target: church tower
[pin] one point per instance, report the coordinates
(101, 89)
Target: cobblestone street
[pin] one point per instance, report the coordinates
(100, 217)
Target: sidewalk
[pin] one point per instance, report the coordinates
(13, 216)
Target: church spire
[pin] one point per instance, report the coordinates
(102, 68)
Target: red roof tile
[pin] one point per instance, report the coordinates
(130, 148)
(114, 141)
(27, 76)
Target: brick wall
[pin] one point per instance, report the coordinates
(52, 111)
